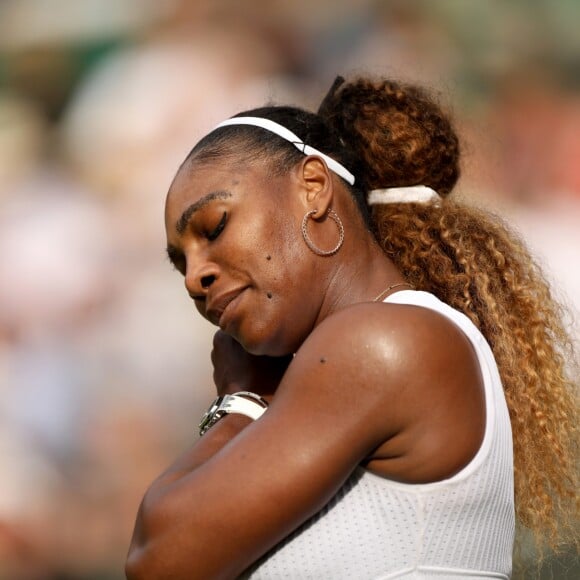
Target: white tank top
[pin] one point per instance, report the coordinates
(375, 528)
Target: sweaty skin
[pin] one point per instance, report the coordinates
(395, 388)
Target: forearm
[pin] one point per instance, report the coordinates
(180, 524)
(204, 448)
(152, 534)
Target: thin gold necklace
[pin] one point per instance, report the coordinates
(391, 287)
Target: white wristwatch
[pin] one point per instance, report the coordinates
(243, 402)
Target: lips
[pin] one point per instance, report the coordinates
(218, 305)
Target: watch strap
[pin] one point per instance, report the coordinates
(243, 406)
(243, 403)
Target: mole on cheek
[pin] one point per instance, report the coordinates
(269, 294)
(268, 257)
(322, 360)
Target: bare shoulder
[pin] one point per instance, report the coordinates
(398, 338)
(414, 375)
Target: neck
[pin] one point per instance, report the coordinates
(360, 275)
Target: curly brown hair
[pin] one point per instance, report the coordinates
(473, 262)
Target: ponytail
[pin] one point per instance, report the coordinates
(398, 134)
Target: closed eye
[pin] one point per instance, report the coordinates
(211, 236)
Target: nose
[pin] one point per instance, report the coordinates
(198, 279)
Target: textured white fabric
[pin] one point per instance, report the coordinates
(374, 528)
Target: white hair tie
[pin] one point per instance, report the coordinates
(412, 194)
(281, 131)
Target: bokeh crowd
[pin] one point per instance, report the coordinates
(104, 363)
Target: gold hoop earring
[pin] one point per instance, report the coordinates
(334, 217)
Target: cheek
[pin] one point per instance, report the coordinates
(281, 309)
(273, 251)
(286, 248)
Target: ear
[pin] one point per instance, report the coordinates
(317, 184)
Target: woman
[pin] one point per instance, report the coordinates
(362, 312)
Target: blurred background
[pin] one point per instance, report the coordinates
(104, 364)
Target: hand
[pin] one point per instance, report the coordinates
(237, 370)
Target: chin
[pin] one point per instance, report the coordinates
(259, 344)
(264, 348)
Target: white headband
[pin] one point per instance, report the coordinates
(413, 194)
(292, 138)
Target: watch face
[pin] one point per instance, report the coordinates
(209, 415)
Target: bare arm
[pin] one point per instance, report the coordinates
(245, 486)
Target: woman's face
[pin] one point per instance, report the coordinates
(233, 231)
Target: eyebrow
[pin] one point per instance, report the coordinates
(183, 220)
